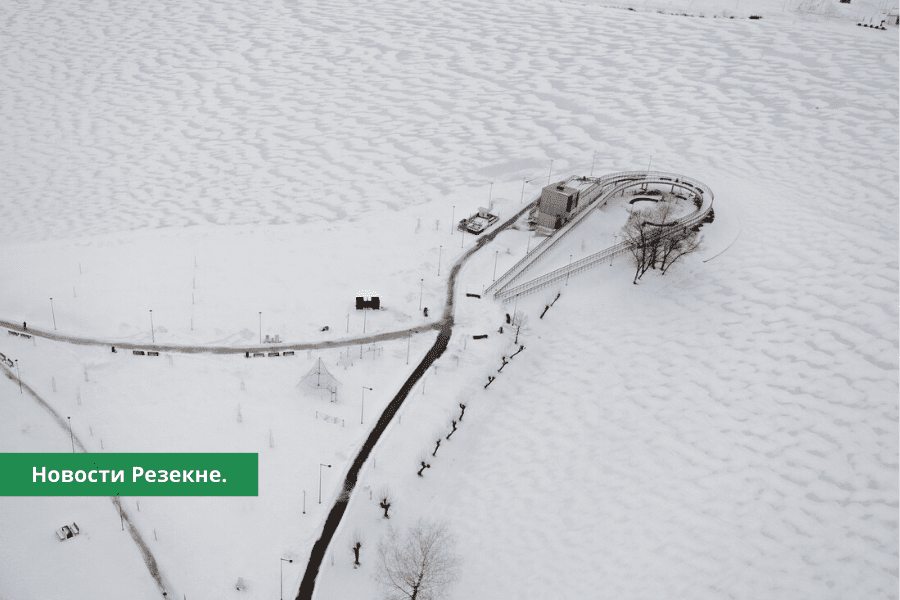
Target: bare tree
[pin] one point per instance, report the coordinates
(520, 322)
(643, 238)
(386, 499)
(676, 244)
(420, 565)
(356, 543)
(655, 240)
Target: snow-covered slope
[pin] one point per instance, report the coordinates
(729, 429)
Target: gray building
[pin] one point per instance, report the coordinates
(562, 200)
(556, 205)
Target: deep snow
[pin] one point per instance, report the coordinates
(727, 430)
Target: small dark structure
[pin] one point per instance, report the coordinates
(374, 303)
(367, 299)
(478, 222)
(67, 531)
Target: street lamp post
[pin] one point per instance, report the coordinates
(362, 403)
(71, 435)
(283, 560)
(19, 374)
(121, 518)
(593, 158)
(53, 312)
(320, 480)
(496, 256)
(421, 285)
(551, 172)
(570, 269)
(440, 250)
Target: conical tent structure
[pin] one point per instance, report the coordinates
(318, 379)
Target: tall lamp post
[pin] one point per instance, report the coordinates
(71, 435)
(320, 480)
(440, 251)
(53, 312)
(551, 172)
(19, 374)
(421, 285)
(283, 560)
(362, 403)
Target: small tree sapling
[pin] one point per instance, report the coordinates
(520, 322)
(421, 460)
(453, 424)
(356, 544)
(386, 499)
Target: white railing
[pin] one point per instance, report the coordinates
(527, 261)
(505, 293)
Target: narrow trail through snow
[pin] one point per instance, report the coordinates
(317, 555)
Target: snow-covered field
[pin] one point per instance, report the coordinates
(728, 430)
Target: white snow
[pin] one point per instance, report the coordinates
(728, 430)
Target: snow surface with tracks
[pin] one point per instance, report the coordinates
(728, 430)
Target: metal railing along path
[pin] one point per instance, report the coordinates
(505, 294)
(530, 258)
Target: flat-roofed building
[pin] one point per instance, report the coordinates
(560, 201)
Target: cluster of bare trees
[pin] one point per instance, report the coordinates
(656, 242)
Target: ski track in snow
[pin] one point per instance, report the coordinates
(729, 430)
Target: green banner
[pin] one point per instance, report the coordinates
(125, 474)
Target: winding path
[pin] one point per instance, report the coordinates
(444, 326)
(143, 548)
(502, 289)
(317, 555)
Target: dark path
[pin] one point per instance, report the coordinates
(146, 554)
(88, 341)
(317, 555)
